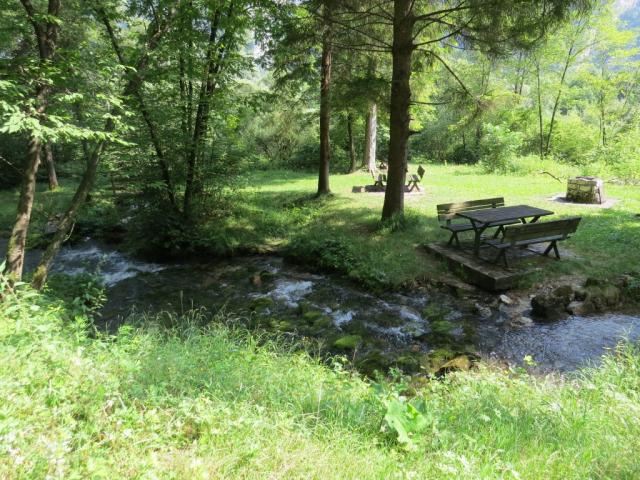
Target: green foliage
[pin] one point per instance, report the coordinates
(84, 294)
(214, 401)
(498, 147)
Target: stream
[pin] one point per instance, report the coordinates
(389, 329)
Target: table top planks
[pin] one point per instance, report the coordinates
(503, 214)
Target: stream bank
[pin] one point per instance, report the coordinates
(427, 329)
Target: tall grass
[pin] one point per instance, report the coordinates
(218, 402)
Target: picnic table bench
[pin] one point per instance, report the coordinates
(500, 216)
(381, 181)
(533, 233)
(415, 179)
(448, 214)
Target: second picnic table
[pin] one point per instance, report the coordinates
(486, 218)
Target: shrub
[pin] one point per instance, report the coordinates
(498, 146)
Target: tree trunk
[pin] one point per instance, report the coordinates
(18, 238)
(215, 54)
(51, 167)
(134, 88)
(399, 119)
(65, 224)
(557, 100)
(325, 104)
(352, 144)
(540, 131)
(46, 32)
(370, 138)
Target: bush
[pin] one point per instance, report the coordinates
(573, 140)
(497, 147)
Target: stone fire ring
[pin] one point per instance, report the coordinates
(562, 198)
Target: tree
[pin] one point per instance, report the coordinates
(494, 26)
(325, 98)
(46, 28)
(158, 28)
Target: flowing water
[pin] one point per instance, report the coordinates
(288, 298)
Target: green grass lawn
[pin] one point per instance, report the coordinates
(278, 211)
(343, 232)
(222, 403)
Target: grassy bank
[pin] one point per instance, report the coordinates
(218, 402)
(344, 233)
(277, 211)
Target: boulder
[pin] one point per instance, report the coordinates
(580, 308)
(461, 363)
(553, 305)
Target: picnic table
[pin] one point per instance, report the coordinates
(485, 218)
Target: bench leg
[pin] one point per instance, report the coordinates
(454, 237)
(502, 255)
(498, 232)
(552, 246)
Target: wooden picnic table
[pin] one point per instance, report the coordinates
(485, 218)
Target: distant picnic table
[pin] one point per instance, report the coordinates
(485, 218)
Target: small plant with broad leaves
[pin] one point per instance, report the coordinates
(405, 418)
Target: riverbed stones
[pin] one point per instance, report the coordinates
(596, 296)
(482, 310)
(552, 305)
(505, 300)
(261, 304)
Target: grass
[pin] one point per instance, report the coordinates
(343, 232)
(218, 402)
(279, 211)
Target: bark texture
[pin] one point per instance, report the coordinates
(352, 144)
(399, 119)
(325, 104)
(134, 89)
(46, 32)
(65, 224)
(215, 56)
(51, 167)
(371, 138)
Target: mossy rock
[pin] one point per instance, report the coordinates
(282, 325)
(355, 327)
(434, 360)
(304, 307)
(310, 316)
(461, 363)
(434, 311)
(261, 303)
(409, 363)
(374, 361)
(323, 322)
(442, 327)
(347, 342)
(267, 276)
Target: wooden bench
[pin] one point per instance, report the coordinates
(414, 179)
(533, 233)
(447, 213)
(380, 181)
